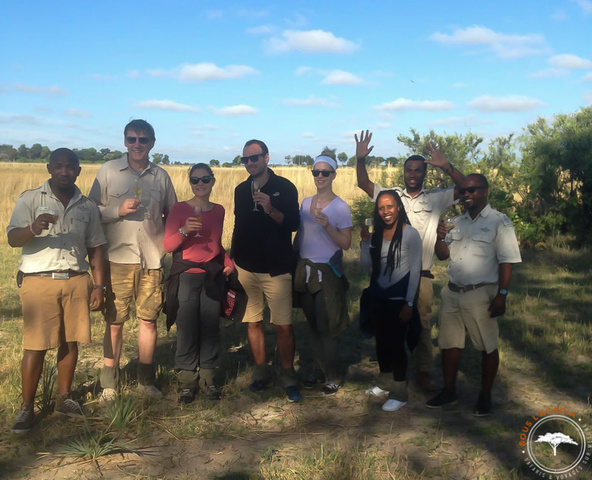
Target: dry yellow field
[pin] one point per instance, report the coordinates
(18, 177)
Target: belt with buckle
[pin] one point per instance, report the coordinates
(466, 288)
(56, 274)
(426, 274)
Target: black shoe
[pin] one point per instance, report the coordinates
(330, 389)
(186, 395)
(212, 393)
(311, 382)
(443, 398)
(482, 407)
(294, 395)
(258, 385)
(24, 420)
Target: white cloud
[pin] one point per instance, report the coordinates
(550, 73)
(585, 5)
(309, 41)
(307, 135)
(51, 90)
(100, 77)
(567, 60)
(507, 46)
(245, 12)
(559, 16)
(133, 74)
(235, 111)
(455, 121)
(587, 77)
(311, 101)
(214, 14)
(511, 103)
(302, 71)
(261, 30)
(339, 77)
(167, 105)
(406, 104)
(74, 112)
(201, 72)
(588, 97)
(458, 85)
(382, 125)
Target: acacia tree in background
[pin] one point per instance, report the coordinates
(557, 170)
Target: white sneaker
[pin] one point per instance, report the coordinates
(376, 391)
(108, 395)
(392, 405)
(149, 390)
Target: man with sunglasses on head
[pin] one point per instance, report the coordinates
(424, 208)
(482, 247)
(262, 252)
(134, 197)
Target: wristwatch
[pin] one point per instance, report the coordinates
(503, 291)
(183, 234)
(100, 287)
(410, 304)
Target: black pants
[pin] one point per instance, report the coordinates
(198, 325)
(324, 346)
(390, 338)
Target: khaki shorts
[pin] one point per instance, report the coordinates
(276, 290)
(55, 311)
(129, 281)
(460, 312)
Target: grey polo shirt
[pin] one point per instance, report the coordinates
(135, 238)
(64, 246)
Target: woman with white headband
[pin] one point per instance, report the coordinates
(319, 282)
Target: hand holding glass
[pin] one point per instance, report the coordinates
(369, 222)
(197, 214)
(137, 189)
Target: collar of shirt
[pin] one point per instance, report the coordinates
(423, 191)
(483, 213)
(124, 165)
(46, 188)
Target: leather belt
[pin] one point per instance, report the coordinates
(426, 274)
(467, 288)
(56, 274)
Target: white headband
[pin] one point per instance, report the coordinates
(324, 158)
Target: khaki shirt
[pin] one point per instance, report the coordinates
(478, 247)
(64, 245)
(137, 237)
(424, 212)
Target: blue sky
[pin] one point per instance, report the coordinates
(299, 75)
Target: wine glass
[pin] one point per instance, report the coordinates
(255, 189)
(369, 222)
(54, 218)
(137, 190)
(449, 222)
(197, 214)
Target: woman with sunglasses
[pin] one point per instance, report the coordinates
(394, 255)
(193, 233)
(319, 281)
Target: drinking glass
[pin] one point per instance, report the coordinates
(197, 214)
(255, 189)
(137, 189)
(369, 222)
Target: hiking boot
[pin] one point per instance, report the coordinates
(212, 393)
(311, 382)
(293, 393)
(392, 405)
(443, 398)
(186, 395)
(482, 407)
(25, 420)
(149, 390)
(376, 391)
(66, 406)
(330, 389)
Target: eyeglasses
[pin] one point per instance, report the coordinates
(253, 158)
(462, 191)
(133, 140)
(204, 179)
(324, 173)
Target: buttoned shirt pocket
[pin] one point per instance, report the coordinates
(483, 243)
(120, 192)
(423, 206)
(156, 194)
(82, 215)
(455, 235)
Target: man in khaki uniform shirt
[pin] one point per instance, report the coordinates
(424, 208)
(57, 229)
(134, 197)
(483, 248)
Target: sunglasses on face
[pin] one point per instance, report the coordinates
(253, 158)
(462, 191)
(204, 179)
(324, 173)
(133, 140)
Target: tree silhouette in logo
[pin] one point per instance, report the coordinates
(555, 439)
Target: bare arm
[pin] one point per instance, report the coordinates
(96, 258)
(17, 237)
(441, 249)
(362, 151)
(498, 304)
(439, 161)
